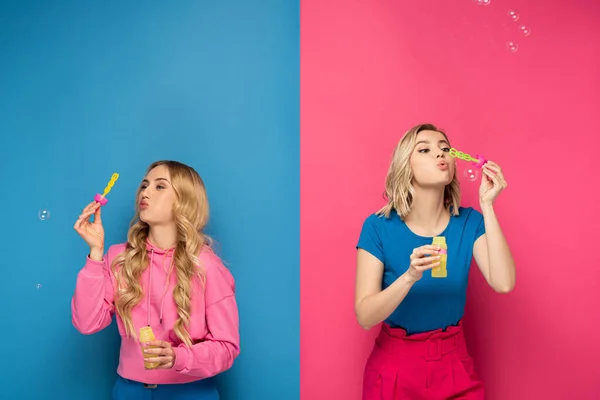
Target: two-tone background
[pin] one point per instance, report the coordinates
(290, 111)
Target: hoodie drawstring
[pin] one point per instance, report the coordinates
(149, 290)
(162, 299)
(149, 286)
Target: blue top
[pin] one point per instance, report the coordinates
(432, 303)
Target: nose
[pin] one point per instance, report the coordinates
(441, 154)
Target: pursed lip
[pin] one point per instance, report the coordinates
(143, 204)
(443, 165)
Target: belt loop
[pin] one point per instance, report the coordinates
(434, 349)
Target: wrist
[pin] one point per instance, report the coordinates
(486, 207)
(179, 359)
(96, 254)
(174, 360)
(409, 278)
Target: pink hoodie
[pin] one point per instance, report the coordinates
(214, 325)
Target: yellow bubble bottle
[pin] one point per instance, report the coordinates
(146, 335)
(440, 271)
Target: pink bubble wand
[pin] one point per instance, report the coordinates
(476, 161)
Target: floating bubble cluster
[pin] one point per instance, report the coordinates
(471, 174)
(43, 214)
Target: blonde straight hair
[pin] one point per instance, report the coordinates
(399, 192)
(191, 214)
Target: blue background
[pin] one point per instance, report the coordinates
(91, 89)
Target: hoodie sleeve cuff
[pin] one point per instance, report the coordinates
(93, 267)
(181, 358)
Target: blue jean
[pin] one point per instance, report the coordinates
(125, 389)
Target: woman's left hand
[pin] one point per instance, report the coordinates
(492, 183)
(164, 354)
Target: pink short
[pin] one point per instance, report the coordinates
(430, 366)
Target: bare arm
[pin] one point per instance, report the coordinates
(491, 250)
(373, 305)
(493, 255)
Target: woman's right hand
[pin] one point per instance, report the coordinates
(422, 259)
(91, 232)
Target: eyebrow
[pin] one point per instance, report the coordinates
(157, 179)
(427, 142)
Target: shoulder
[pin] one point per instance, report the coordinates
(373, 219)
(218, 277)
(378, 220)
(469, 213)
(115, 250)
(470, 217)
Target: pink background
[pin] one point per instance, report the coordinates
(369, 71)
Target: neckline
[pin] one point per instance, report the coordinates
(442, 233)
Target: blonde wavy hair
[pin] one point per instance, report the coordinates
(191, 214)
(399, 191)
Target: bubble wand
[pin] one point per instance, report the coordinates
(476, 162)
(101, 198)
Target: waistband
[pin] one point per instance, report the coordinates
(202, 383)
(431, 346)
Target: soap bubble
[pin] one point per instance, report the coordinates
(512, 47)
(525, 30)
(43, 214)
(482, 2)
(513, 15)
(38, 286)
(471, 174)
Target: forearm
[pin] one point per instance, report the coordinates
(205, 359)
(501, 263)
(377, 307)
(217, 352)
(97, 254)
(91, 304)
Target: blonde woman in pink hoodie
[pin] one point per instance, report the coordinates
(166, 277)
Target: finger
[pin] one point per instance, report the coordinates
(92, 210)
(86, 214)
(97, 216)
(492, 168)
(498, 172)
(159, 343)
(160, 359)
(485, 178)
(428, 250)
(430, 247)
(161, 351)
(84, 219)
(88, 207)
(166, 365)
(496, 180)
(492, 176)
(425, 261)
(79, 223)
(422, 268)
(491, 163)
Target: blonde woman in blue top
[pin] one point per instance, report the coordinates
(421, 351)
